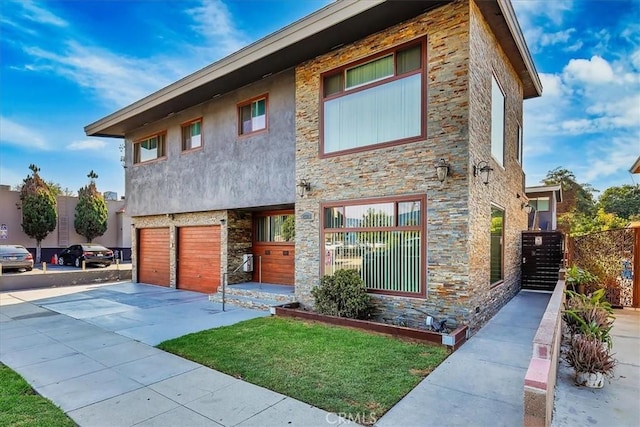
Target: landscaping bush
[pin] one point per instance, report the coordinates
(587, 354)
(343, 294)
(589, 315)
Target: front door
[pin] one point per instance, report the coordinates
(274, 247)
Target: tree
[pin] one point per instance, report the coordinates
(577, 198)
(623, 201)
(91, 211)
(38, 204)
(580, 224)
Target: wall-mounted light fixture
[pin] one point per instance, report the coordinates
(223, 221)
(483, 170)
(170, 216)
(527, 207)
(303, 187)
(442, 170)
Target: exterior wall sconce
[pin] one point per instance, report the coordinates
(442, 170)
(527, 207)
(303, 187)
(484, 170)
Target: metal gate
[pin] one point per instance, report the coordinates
(542, 254)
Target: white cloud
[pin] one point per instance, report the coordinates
(35, 13)
(87, 145)
(214, 22)
(119, 80)
(606, 157)
(590, 71)
(552, 11)
(23, 136)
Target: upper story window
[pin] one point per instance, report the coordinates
(253, 115)
(149, 148)
(520, 145)
(541, 204)
(497, 121)
(375, 101)
(192, 135)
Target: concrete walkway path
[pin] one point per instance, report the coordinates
(89, 350)
(618, 403)
(482, 383)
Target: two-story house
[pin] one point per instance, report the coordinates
(383, 136)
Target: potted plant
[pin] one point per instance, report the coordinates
(591, 361)
(579, 279)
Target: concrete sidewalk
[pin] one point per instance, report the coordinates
(482, 383)
(76, 347)
(618, 403)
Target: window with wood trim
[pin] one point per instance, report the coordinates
(150, 148)
(275, 228)
(192, 135)
(378, 101)
(382, 239)
(252, 115)
(497, 121)
(497, 242)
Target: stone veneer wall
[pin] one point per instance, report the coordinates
(240, 242)
(179, 220)
(398, 170)
(506, 186)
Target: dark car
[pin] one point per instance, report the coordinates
(15, 257)
(90, 253)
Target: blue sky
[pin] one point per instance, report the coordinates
(66, 64)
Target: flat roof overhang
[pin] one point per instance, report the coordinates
(337, 24)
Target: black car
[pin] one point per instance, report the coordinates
(90, 253)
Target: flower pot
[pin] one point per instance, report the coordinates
(590, 379)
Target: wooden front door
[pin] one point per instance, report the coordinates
(274, 247)
(199, 258)
(153, 256)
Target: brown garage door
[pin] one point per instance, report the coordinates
(199, 258)
(153, 256)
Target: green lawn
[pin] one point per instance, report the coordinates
(21, 406)
(337, 369)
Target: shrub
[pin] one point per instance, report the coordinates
(343, 294)
(587, 354)
(589, 315)
(579, 279)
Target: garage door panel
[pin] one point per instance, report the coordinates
(153, 256)
(199, 258)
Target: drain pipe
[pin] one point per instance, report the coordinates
(224, 285)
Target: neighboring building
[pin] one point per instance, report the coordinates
(117, 236)
(544, 200)
(336, 123)
(636, 166)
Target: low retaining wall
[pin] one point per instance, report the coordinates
(452, 341)
(36, 280)
(540, 380)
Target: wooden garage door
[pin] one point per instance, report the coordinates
(199, 258)
(153, 256)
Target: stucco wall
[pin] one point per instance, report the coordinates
(398, 170)
(118, 234)
(229, 171)
(505, 188)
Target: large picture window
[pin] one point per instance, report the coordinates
(379, 101)
(382, 240)
(497, 241)
(497, 121)
(253, 115)
(150, 148)
(192, 135)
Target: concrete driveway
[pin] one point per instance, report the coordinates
(89, 350)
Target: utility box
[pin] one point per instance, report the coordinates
(247, 263)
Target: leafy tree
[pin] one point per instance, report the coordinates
(91, 211)
(575, 197)
(623, 201)
(288, 228)
(38, 204)
(580, 224)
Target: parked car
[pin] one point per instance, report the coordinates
(15, 257)
(90, 253)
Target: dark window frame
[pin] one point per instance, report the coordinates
(422, 228)
(249, 102)
(502, 246)
(182, 140)
(422, 70)
(162, 140)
